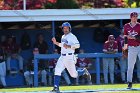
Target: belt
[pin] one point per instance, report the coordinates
(66, 54)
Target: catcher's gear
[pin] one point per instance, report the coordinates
(125, 53)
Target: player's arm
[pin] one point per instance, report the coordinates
(137, 37)
(125, 47)
(115, 47)
(105, 49)
(125, 42)
(110, 52)
(114, 51)
(75, 44)
(56, 43)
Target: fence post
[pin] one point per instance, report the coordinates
(53, 32)
(97, 70)
(121, 23)
(35, 72)
(24, 4)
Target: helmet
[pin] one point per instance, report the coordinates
(133, 14)
(66, 24)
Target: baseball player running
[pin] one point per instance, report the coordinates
(132, 42)
(67, 59)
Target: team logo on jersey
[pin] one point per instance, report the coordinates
(132, 33)
(64, 40)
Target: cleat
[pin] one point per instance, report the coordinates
(55, 90)
(129, 85)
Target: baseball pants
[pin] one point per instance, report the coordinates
(123, 67)
(138, 68)
(20, 59)
(133, 52)
(67, 62)
(3, 73)
(29, 77)
(108, 65)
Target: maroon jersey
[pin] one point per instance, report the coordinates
(83, 62)
(52, 63)
(120, 41)
(133, 31)
(110, 46)
(11, 48)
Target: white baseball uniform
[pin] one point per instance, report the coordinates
(3, 73)
(67, 59)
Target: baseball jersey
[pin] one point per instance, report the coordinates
(110, 46)
(68, 39)
(11, 48)
(83, 62)
(133, 31)
(120, 41)
(2, 56)
(41, 46)
(52, 63)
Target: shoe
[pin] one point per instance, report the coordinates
(55, 89)
(129, 85)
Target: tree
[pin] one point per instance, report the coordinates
(66, 4)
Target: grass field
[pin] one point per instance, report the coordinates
(86, 87)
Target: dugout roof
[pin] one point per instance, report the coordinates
(66, 14)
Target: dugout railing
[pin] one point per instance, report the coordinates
(97, 56)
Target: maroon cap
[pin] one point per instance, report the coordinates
(133, 14)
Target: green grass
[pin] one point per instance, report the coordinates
(90, 87)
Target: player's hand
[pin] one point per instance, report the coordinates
(66, 46)
(130, 37)
(54, 40)
(125, 47)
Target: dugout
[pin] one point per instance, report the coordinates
(85, 24)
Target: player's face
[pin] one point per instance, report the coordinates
(111, 39)
(66, 30)
(134, 18)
